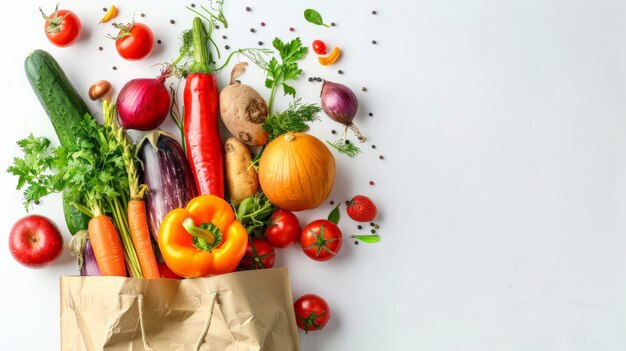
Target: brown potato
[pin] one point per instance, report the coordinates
(244, 111)
(242, 180)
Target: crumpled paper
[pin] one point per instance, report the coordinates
(243, 311)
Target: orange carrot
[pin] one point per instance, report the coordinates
(139, 232)
(107, 246)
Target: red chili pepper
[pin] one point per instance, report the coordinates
(202, 138)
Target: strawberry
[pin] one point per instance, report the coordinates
(361, 209)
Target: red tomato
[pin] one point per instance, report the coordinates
(319, 47)
(134, 41)
(312, 312)
(62, 27)
(321, 240)
(284, 230)
(259, 254)
(167, 273)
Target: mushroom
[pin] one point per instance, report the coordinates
(99, 90)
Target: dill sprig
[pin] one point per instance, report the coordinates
(294, 119)
(344, 146)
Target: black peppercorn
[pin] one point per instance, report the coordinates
(310, 79)
(248, 8)
(374, 42)
(364, 89)
(381, 157)
(159, 41)
(340, 72)
(100, 48)
(193, 5)
(374, 12)
(172, 21)
(373, 146)
(260, 42)
(371, 114)
(227, 47)
(332, 24)
(142, 14)
(359, 227)
(372, 224)
(332, 202)
(114, 68)
(105, 9)
(373, 231)
(224, 37)
(333, 131)
(252, 30)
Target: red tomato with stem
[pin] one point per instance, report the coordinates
(62, 27)
(319, 47)
(285, 229)
(259, 254)
(312, 312)
(134, 40)
(321, 240)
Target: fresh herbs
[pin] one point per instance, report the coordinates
(294, 119)
(254, 213)
(344, 146)
(314, 17)
(215, 14)
(280, 73)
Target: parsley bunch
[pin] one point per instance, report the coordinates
(280, 73)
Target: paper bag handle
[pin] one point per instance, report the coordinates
(146, 345)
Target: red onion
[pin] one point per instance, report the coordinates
(144, 103)
(340, 104)
(90, 266)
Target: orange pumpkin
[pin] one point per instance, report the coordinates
(296, 171)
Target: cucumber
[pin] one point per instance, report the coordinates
(56, 94)
(65, 108)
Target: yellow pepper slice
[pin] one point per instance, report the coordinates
(330, 59)
(109, 15)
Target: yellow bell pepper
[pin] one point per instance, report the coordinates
(203, 238)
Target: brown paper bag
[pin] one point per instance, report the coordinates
(241, 311)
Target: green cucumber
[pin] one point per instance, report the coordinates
(65, 108)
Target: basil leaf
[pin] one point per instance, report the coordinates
(334, 215)
(314, 17)
(370, 239)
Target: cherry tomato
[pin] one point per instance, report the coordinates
(321, 240)
(285, 229)
(134, 41)
(312, 312)
(259, 254)
(62, 27)
(319, 47)
(166, 272)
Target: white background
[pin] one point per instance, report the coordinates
(503, 190)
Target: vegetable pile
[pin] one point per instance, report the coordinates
(200, 204)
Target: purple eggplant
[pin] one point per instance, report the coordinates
(168, 175)
(90, 266)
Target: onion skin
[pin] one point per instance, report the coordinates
(90, 266)
(143, 104)
(339, 102)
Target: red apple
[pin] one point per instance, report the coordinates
(35, 241)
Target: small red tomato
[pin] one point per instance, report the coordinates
(285, 229)
(62, 27)
(134, 41)
(312, 312)
(259, 254)
(361, 209)
(321, 240)
(167, 273)
(319, 47)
